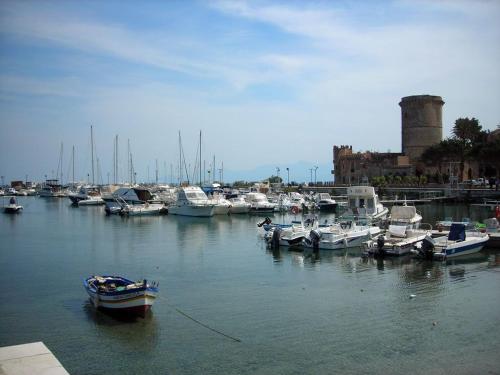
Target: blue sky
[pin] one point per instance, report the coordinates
(269, 84)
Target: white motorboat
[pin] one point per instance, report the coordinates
(126, 195)
(143, 209)
(239, 205)
(363, 204)
(191, 201)
(325, 203)
(403, 235)
(86, 195)
(221, 205)
(259, 203)
(291, 235)
(12, 207)
(91, 201)
(458, 242)
(397, 241)
(340, 236)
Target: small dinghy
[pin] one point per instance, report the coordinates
(120, 295)
(12, 207)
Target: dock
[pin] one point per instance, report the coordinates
(28, 359)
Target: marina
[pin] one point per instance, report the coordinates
(314, 310)
(248, 187)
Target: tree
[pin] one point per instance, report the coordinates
(466, 133)
(490, 153)
(467, 130)
(275, 179)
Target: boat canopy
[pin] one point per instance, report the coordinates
(457, 232)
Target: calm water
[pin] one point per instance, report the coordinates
(294, 312)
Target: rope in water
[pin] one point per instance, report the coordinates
(202, 324)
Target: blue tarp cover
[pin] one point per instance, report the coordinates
(457, 232)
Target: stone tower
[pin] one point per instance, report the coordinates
(421, 124)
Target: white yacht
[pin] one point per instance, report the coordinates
(325, 202)
(239, 205)
(191, 201)
(221, 204)
(364, 204)
(259, 203)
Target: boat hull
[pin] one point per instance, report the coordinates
(137, 300)
(13, 210)
(239, 209)
(192, 210)
(459, 249)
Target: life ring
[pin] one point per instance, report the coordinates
(295, 210)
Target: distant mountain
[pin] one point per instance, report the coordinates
(299, 172)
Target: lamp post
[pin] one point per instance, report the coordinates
(278, 174)
(311, 179)
(288, 176)
(315, 180)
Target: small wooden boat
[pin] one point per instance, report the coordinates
(118, 294)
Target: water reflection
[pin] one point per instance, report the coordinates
(135, 332)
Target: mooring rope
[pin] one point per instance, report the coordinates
(202, 324)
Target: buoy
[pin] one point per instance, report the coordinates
(413, 295)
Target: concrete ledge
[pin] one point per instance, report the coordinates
(27, 359)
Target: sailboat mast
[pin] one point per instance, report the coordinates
(129, 169)
(116, 164)
(73, 174)
(156, 171)
(180, 160)
(92, 151)
(200, 159)
(62, 163)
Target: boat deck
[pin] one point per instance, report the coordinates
(27, 359)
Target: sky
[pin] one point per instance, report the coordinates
(270, 84)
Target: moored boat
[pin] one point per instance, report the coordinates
(458, 242)
(363, 204)
(12, 207)
(118, 294)
(191, 201)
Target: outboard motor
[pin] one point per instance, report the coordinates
(427, 249)
(380, 247)
(275, 239)
(315, 235)
(266, 221)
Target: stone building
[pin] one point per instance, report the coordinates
(421, 127)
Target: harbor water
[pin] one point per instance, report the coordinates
(230, 305)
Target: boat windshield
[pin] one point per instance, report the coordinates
(195, 195)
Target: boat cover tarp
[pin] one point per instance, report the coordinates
(403, 212)
(397, 230)
(457, 232)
